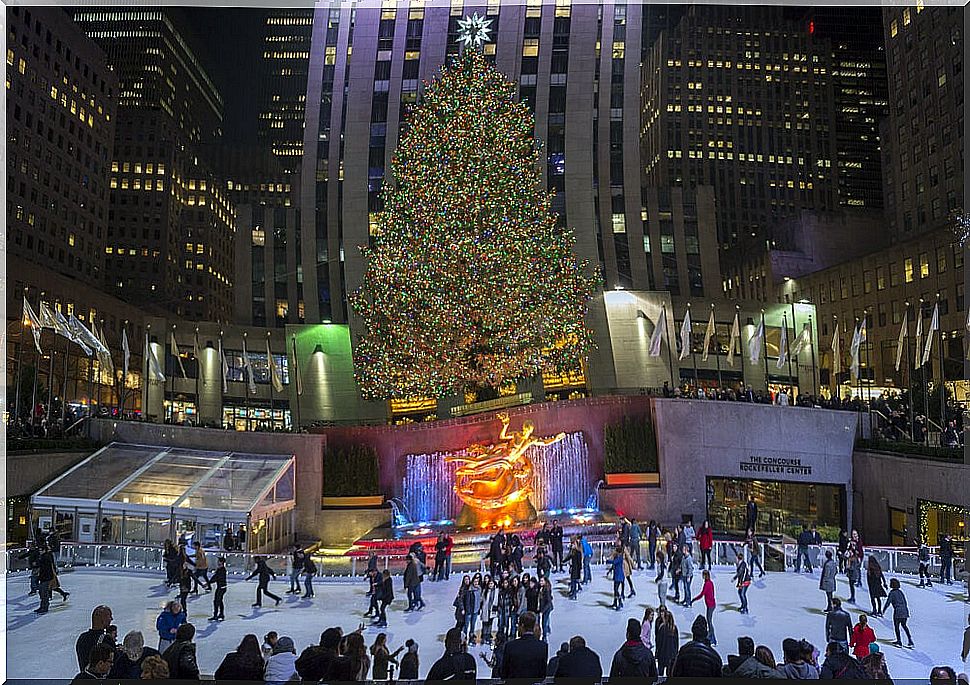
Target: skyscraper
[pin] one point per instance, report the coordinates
(741, 99)
(923, 138)
(285, 60)
(170, 227)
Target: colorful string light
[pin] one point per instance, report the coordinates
(469, 282)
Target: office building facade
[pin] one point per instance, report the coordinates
(170, 225)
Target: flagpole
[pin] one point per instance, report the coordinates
(198, 372)
(64, 393)
(811, 342)
(224, 383)
(50, 379)
(670, 351)
(121, 390)
(764, 345)
(144, 382)
(101, 367)
(269, 368)
(717, 353)
(794, 332)
(693, 357)
(171, 401)
(247, 374)
(939, 338)
(836, 364)
(737, 316)
(20, 359)
(865, 320)
(922, 380)
(909, 381)
(296, 367)
(33, 395)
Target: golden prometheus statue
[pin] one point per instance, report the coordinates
(495, 481)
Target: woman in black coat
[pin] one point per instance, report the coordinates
(246, 663)
(877, 584)
(667, 640)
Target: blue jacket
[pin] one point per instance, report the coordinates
(617, 564)
(166, 621)
(587, 549)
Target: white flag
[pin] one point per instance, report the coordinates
(756, 341)
(125, 352)
(685, 331)
(274, 372)
(903, 332)
(104, 356)
(197, 353)
(934, 327)
(919, 336)
(709, 334)
(659, 333)
(836, 351)
(783, 344)
(735, 337)
(154, 368)
(49, 318)
(858, 337)
(31, 320)
(225, 368)
(176, 352)
(803, 340)
(296, 369)
(78, 334)
(248, 370)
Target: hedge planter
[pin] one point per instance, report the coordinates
(633, 479)
(359, 502)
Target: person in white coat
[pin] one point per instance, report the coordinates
(281, 664)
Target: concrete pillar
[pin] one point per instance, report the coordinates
(210, 387)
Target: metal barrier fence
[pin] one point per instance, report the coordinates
(894, 560)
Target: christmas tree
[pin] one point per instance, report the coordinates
(470, 283)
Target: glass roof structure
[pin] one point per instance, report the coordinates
(122, 477)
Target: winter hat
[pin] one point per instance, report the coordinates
(699, 629)
(284, 644)
(873, 648)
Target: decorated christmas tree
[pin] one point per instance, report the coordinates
(470, 282)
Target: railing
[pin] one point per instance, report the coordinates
(894, 560)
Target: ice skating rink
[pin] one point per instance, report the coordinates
(782, 605)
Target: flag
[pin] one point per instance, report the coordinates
(783, 344)
(225, 368)
(104, 356)
(296, 370)
(836, 350)
(919, 336)
(274, 371)
(803, 340)
(248, 370)
(685, 331)
(709, 334)
(934, 327)
(125, 353)
(77, 334)
(735, 337)
(30, 319)
(49, 318)
(175, 352)
(197, 353)
(659, 332)
(858, 337)
(756, 341)
(151, 360)
(903, 332)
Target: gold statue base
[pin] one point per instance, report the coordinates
(504, 517)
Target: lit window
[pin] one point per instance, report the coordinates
(10, 62)
(619, 49)
(908, 269)
(906, 17)
(70, 240)
(924, 265)
(893, 29)
(330, 55)
(619, 223)
(530, 47)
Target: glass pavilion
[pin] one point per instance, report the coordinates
(142, 495)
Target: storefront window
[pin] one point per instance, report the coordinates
(937, 519)
(783, 506)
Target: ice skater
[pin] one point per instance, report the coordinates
(264, 573)
(923, 556)
(221, 583)
(897, 600)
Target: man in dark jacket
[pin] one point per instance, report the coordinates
(100, 620)
(838, 625)
(46, 573)
(579, 662)
(744, 665)
(840, 665)
(180, 657)
(805, 539)
(323, 662)
(102, 656)
(634, 659)
(455, 663)
(526, 656)
(32, 555)
(555, 538)
(697, 659)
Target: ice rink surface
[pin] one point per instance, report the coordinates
(782, 605)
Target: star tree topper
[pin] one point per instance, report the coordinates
(474, 31)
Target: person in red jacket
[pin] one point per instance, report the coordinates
(862, 637)
(705, 538)
(707, 592)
